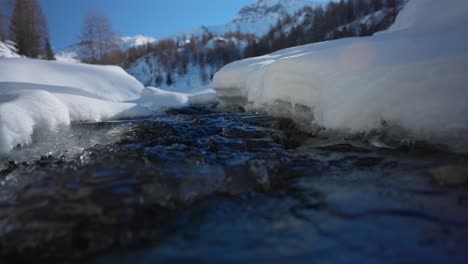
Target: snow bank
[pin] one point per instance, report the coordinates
(40, 96)
(109, 82)
(413, 77)
(155, 99)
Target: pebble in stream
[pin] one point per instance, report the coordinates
(194, 184)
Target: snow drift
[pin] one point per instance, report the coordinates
(40, 96)
(412, 76)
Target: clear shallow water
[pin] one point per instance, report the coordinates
(201, 186)
(67, 142)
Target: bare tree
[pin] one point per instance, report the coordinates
(28, 28)
(97, 37)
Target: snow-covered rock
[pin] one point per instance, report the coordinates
(41, 96)
(412, 76)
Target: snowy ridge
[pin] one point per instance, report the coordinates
(256, 18)
(259, 17)
(412, 77)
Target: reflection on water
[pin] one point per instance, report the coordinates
(201, 186)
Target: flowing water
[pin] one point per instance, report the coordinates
(195, 185)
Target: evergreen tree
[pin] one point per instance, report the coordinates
(2, 31)
(391, 3)
(203, 75)
(169, 81)
(350, 12)
(159, 79)
(28, 28)
(318, 30)
(361, 7)
(49, 54)
(376, 5)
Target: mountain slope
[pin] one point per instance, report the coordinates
(256, 18)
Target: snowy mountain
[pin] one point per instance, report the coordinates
(259, 17)
(256, 18)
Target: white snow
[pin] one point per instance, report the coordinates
(135, 41)
(109, 82)
(8, 50)
(41, 96)
(413, 77)
(67, 56)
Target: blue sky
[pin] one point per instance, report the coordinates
(156, 18)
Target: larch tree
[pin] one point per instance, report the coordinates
(28, 28)
(377, 5)
(97, 37)
(2, 31)
(49, 54)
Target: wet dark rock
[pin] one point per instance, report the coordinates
(345, 148)
(10, 166)
(150, 131)
(368, 162)
(451, 175)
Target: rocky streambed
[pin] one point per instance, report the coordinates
(196, 185)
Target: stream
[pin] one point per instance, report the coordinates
(197, 185)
